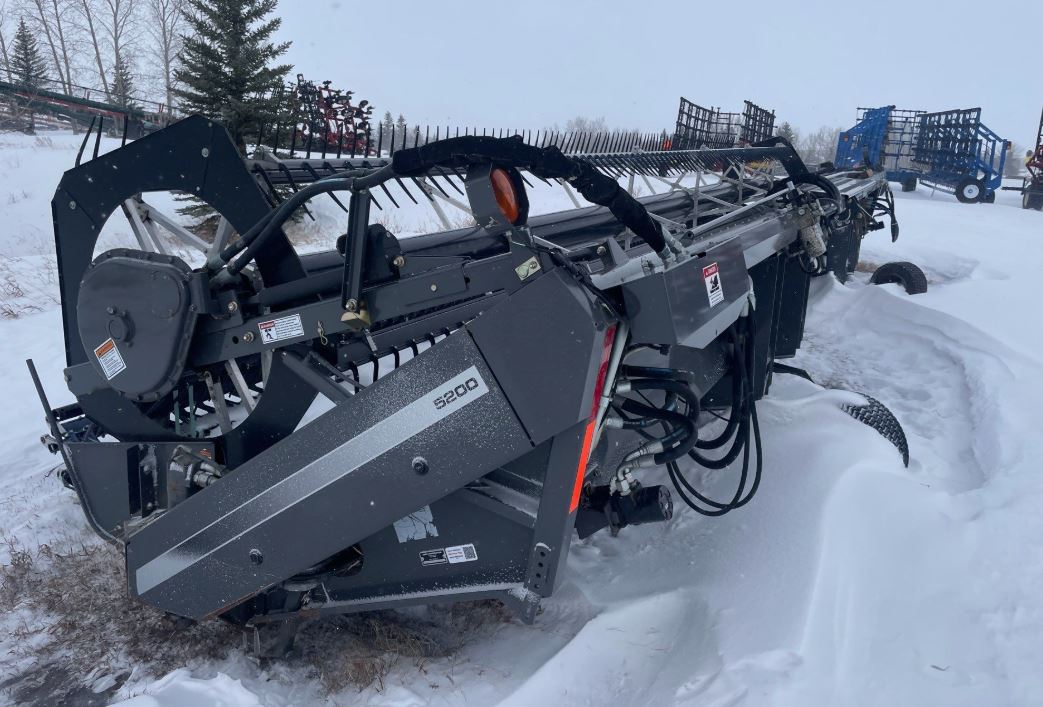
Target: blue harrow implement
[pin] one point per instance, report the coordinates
(952, 151)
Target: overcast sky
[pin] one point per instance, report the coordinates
(535, 63)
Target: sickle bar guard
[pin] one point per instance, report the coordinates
(483, 391)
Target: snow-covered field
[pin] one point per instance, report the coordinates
(850, 580)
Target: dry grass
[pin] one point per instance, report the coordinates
(360, 650)
(74, 622)
(78, 593)
(20, 294)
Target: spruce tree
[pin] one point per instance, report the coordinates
(28, 69)
(27, 65)
(789, 132)
(228, 70)
(122, 87)
(387, 129)
(400, 128)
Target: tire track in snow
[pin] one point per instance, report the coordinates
(866, 339)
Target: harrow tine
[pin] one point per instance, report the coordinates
(126, 126)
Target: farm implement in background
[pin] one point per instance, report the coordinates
(1032, 185)
(952, 151)
(485, 390)
(699, 127)
(54, 108)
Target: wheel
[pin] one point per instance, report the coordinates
(876, 415)
(969, 191)
(906, 274)
(909, 184)
(1031, 199)
(1026, 200)
(989, 198)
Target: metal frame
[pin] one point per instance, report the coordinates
(946, 150)
(504, 471)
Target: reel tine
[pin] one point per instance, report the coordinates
(408, 193)
(86, 137)
(438, 186)
(386, 191)
(97, 138)
(449, 180)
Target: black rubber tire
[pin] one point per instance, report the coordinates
(989, 198)
(875, 414)
(909, 184)
(1032, 200)
(904, 273)
(969, 191)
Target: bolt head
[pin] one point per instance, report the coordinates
(602, 250)
(434, 287)
(205, 152)
(420, 465)
(399, 261)
(233, 306)
(72, 205)
(256, 556)
(248, 337)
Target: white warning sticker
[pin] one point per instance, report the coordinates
(282, 328)
(461, 553)
(712, 280)
(449, 555)
(110, 359)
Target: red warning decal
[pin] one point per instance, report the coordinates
(712, 280)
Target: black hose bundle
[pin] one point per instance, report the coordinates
(741, 433)
(743, 420)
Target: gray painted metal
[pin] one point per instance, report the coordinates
(544, 347)
(350, 470)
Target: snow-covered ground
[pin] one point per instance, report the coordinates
(850, 580)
